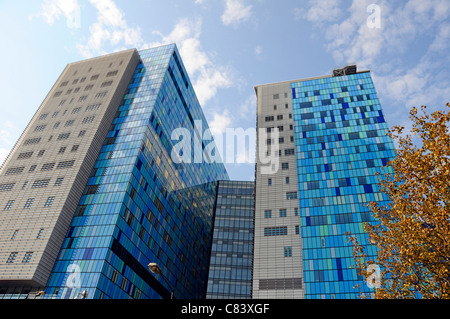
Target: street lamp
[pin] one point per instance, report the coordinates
(154, 268)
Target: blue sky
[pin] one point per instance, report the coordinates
(228, 47)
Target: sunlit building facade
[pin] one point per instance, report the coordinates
(340, 144)
(139, 203)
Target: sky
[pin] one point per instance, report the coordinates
(228, 47)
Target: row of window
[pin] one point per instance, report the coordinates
(271, 118)
(279, 127)
(26, 155)
(271, 141)
(45, 167)
(29, 203)
(26, 258)
(39, 235)
(87, 88)
(282, 211)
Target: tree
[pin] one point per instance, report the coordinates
(412, 232)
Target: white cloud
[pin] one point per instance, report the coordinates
(220, 123)
(52, 10)
(235, 12)
(258, 50)
(402, 72)
(111, 29)
(207, 77)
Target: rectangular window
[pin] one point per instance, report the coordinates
(287, 180)
(291, 195)
(275, 231)
(14, 170)
(65, 164)
(29, 203)
(40, 183)
(25, 155)
(284, 166)
(75, 148)
(269, 182)
(7, 187)
(269, 118)
(63, 136)
(59, 181)
(289, 152)
(32, 141)
(49, 201)
(283, 212)
(27, 257)
(9, 205)
(12, 257)
(267, 214)
(288, 251)
(39, 235)
(48, 166)
(280, 117)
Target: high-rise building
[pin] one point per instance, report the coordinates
(230, 270)
(93, 192)
(312, 187)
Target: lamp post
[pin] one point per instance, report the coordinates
(154, 268)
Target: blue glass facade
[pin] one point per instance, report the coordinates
(230, 272)
(139, 206)
(341, 142)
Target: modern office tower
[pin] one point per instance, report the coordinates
(137, 203)
(340, 144)
(230, 270)
(43, 178)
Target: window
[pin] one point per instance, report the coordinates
(55, 114)
(48, 166)
(29, 203)
(49, 201)
(12, 257)
(32, 168)
(101, 94)
(41, 153)
(40, 128)
(284, 166)
(82, 133)
(9, 204)
(287, 180)
(63, 136)
(289, 151)
(75, 148)
(291, 195)
(62, 149)
(69, 123)
(25, 155)
(95, 77)
(76, 110)
(269, 118)
(40, 183)
(267, 214)
(27, 257)
(65, 164)
(82, 98)
(288, 251)
(14, 170)
(39, 235)
(14, 234)
(43, 116)
(93, 107)
(32, 141)
(276, 96)
(56, 125)
(6, 187)
(275, 231)
(89, 87)
(112, 73)
(59, 181)
(88, 119)
(283, 212)
(280, 117)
